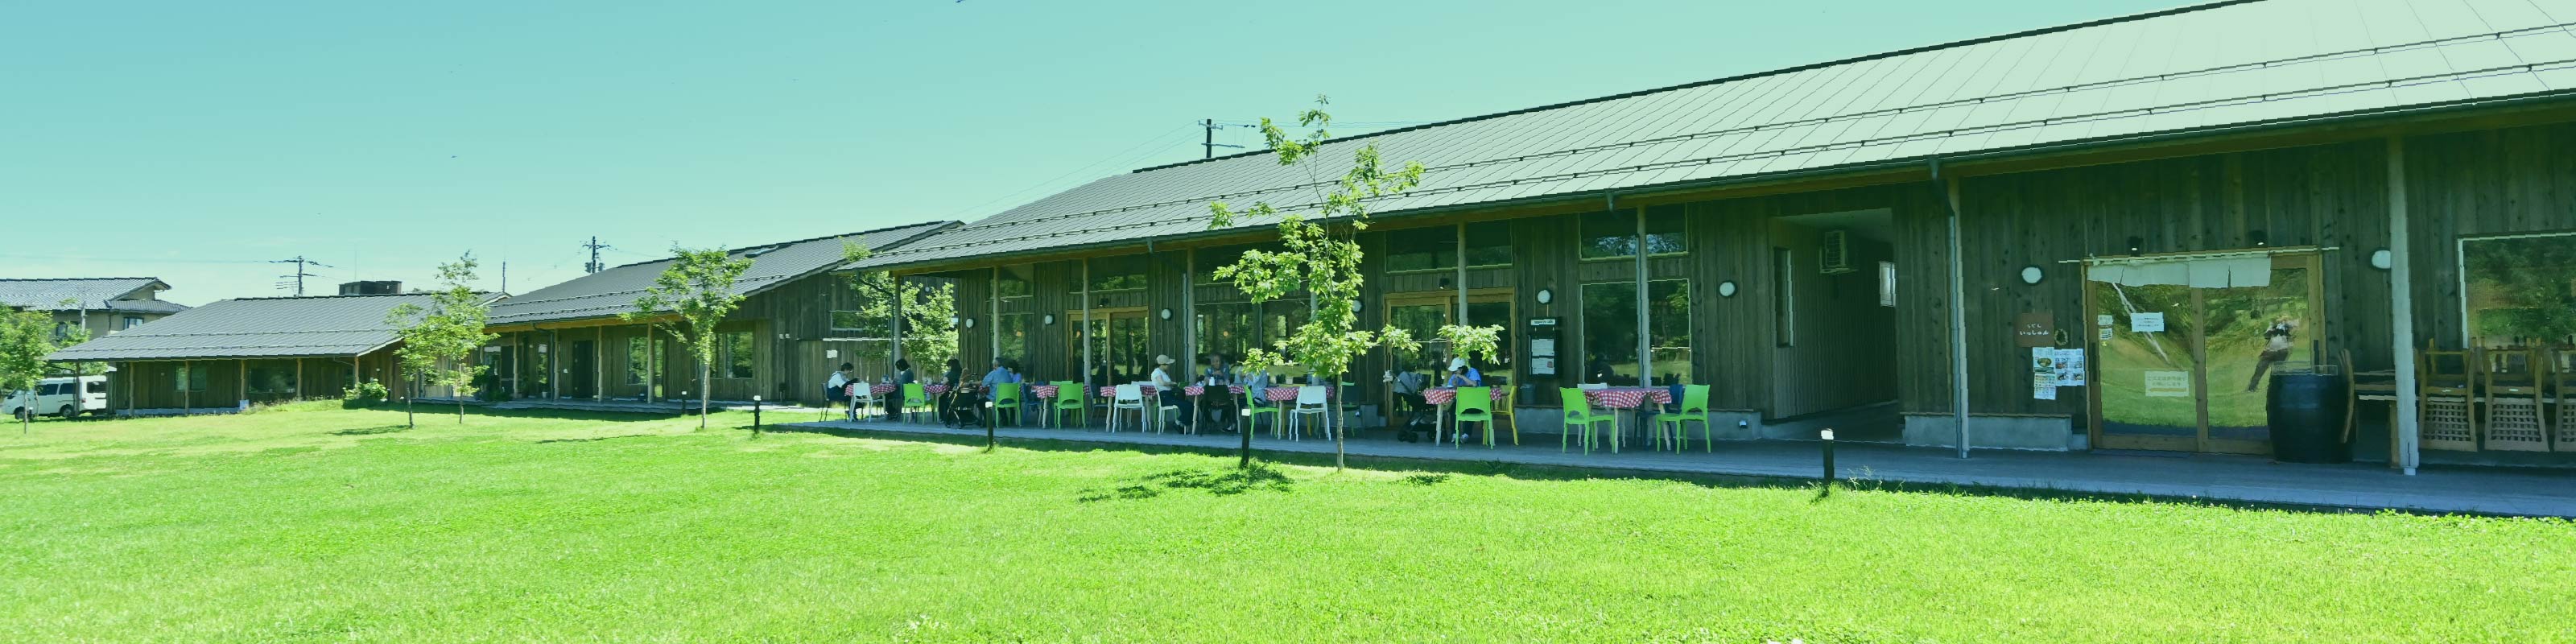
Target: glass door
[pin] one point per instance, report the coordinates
(2178, 368)
(1118, 348)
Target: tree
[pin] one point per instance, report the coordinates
(73, 337)
(1322, 260)
(926, 306)
(26, 337)
(698, 290)
(440, 340)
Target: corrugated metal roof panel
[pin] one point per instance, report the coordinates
(342, 325)
(2198, 68)
(614, 291)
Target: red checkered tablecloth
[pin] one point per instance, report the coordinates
(1043, 391)
(1287, 394)
(1195, 391)
(1443, 395)
(1628, 397)
(935, 389)
(881, 389)
(1112, 391)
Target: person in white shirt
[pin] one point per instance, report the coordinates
(836, 390)
(1170, 391)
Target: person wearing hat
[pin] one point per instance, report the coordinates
(1170, 392)
(1461, 375)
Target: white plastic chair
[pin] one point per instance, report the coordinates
(1129, 397)
(1310, 402)
(861, 401)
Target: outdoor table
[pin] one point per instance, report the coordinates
(935, 389)
(1628, 398)
(1046, 393)
(880, 389)
(1194, 391)
(1440, 397)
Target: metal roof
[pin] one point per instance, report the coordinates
(260, 327)
(2193, 69)
(611, 292)
(90, 293)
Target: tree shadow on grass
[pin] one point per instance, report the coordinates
(1221, 482)
(371, 431)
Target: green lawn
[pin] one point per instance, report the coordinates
(314, 524)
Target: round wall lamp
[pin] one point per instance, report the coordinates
(1546, 296)
(2380, 259)
(970, 323)
(1726, 288)
(954, 321)
(1049, 320)
(2032, 275)
(1358, 305)
(1167, 314)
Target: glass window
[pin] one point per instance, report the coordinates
(735, 355)
(1668, 323)
(1125, 273)
(1887, 283)
(1013, 281)
(1284, 318)
(189, 378)
(270, 380)
(1489, 244)
(859, 321)
(1610, 333)
(1012, 333)
(2521, 290)
(1422, 249)
(1784, 310)
(637, 360)
(98, 387)
(1613, 234)
(1664, 231)
(132, 321)
(1231, 329)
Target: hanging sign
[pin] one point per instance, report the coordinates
(2070, 367)
(2035, 329)
(2147, 322)
(2168, 384)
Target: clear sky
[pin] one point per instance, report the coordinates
(192, 141)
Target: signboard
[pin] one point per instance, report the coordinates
(2102, 323)
(2147, 322)
(2070, 367)
(2169, 384)
(2043, 373)
(2035, 329)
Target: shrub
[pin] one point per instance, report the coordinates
(366, 394)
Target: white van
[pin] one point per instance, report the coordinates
(65, 397)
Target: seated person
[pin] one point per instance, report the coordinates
(836, 389)
(1169, 391)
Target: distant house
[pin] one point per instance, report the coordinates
(224, 355)
(104, 305)
(568, 341)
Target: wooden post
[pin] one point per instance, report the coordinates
(1082, 371)
(1645, 344)
(299, 378)
(895, 290)
(187, 373)
(241, 381)
(992, 322)
(652, 353)
(1958, 313)
(2401, 307)
(554, 368)
(598, 362)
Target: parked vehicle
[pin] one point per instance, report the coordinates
(65, 397)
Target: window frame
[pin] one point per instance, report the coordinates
(726, 353)
(1887, 283)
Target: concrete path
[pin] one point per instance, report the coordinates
(2244, 479)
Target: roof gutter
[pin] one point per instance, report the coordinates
(1895, 165)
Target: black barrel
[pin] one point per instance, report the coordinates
(2307, 418)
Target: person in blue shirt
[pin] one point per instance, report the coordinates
(1462, 375)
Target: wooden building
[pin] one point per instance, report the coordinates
(228, 355)
(2185, 199)
(102, 305)
(796, 324)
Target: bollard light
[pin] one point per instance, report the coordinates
(1828, 437)
(755, 413)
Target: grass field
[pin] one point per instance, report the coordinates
(311, 523)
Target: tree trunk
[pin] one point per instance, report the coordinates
(706, 372)
(408, 421)
(460, 410)
(1345, 427)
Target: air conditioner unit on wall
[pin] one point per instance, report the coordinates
(1836, 254)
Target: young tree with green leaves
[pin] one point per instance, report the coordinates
(1322, 259)
(697, 290)
(26, 337)
(439, 340)
(926, 306)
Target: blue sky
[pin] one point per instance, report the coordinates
(194, 140)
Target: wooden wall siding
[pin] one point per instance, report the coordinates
(1733, 345)
(1057, 289)
(2517, 180)
(1543, 257)
(974, 300)
(1922, 249)
(151, 385)
(2321, 195)
(1167, 283)
(1843, 337)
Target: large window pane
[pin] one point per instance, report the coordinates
(1423, 322)
(636, 360)
(1422, 249)
(735, 361)
(1012, 333)
(1664, 231)
(2521, 291)
(1610, 234)
(1610, 333)
(1502, 367)
(271, 379)
(1668, 309)
(1013, 281)
(861, 323)
(1230, 329)
(1118, 273)
(1489, 244)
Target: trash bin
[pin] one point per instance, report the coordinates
(2307, 418)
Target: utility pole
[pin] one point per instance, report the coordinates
(300, 263)
(1210, 125)
(595, 247)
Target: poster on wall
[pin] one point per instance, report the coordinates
(2168, 384)
(2043, 373)
(2147, 322)
(2070, 367)
(2102, 323)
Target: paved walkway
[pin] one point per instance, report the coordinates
(2210, 477)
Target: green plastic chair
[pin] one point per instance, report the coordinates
(1475, 405)
(1006, 397)
(1253, 410)
(914, 400)
(1578, 413)
(1068, 398)
(1694, 409)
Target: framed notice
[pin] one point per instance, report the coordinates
(2168, 384)
(2147, 322)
